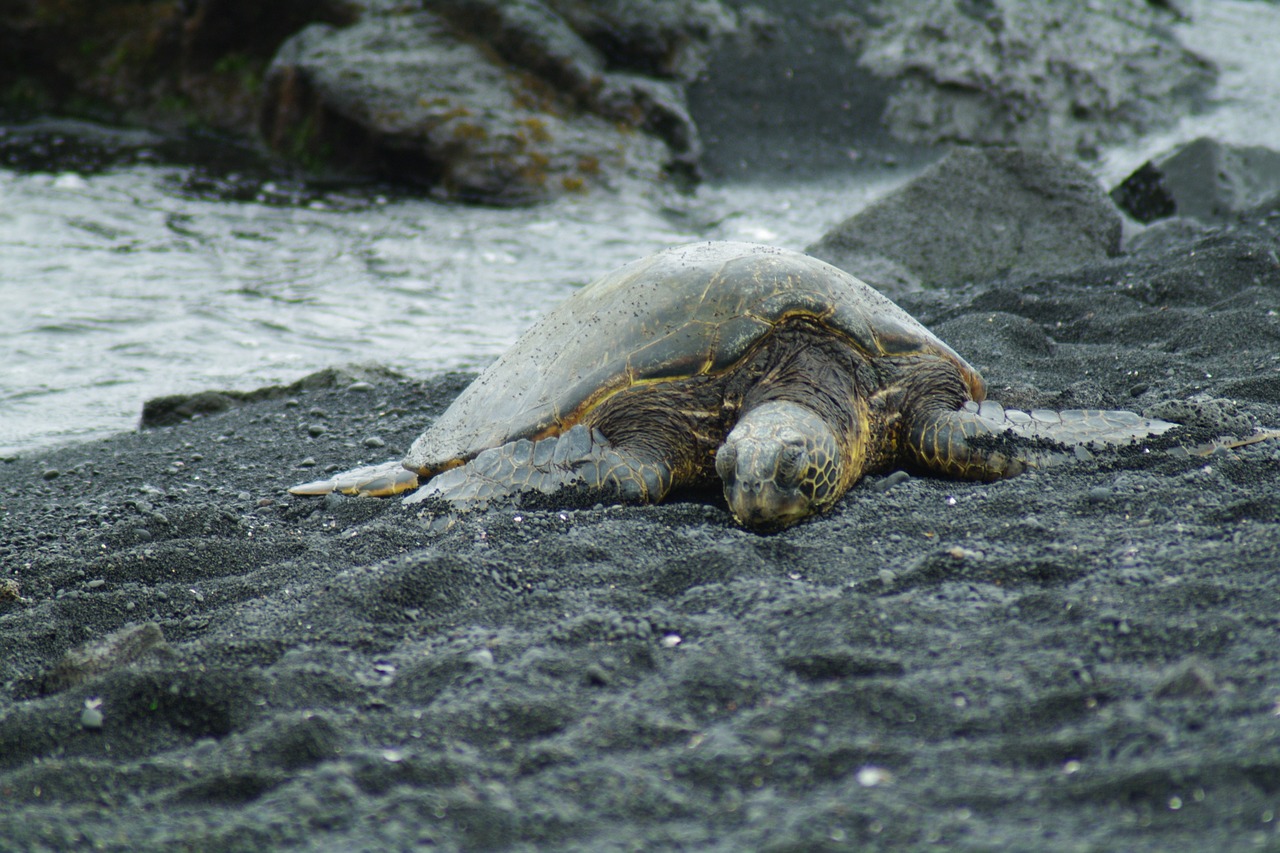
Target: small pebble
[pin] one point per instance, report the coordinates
(309, 462)
(315, 430)
(884, 484)
(91, 718)
(69, 181)
(360, 387)
(374, 441)
(871, 777)
(596, 675)
(1098, 494)
(51, 473)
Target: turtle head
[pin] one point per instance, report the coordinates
(780, 464)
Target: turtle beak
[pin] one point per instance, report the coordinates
(766, 512)
(757, 496)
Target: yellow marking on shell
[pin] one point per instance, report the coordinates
(802, 313)
(631, 379)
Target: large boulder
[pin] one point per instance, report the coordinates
(1065, 76)
(977, 214)
(669, 39)
(811, 86)
(402, 95)
(1205, 180)
(164, 65)
(502, 101)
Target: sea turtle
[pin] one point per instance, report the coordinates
(786, 377)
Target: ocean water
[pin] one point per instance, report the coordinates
(120, 286)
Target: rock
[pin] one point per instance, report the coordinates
(169, 65)
(785, 96)
(978, 214)
(414, 96)
(1204, 180)
(671, 39)
(504, 102)
(1068, 77)
(175, 408)
(529, 35)
(1143, 195)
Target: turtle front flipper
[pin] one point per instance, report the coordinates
(377, 481)
(1073, 426)
(578, 458)
(967, 443)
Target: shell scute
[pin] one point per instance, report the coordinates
(681, 352)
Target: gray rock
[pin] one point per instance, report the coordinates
(529, 35)
(595, 71)
(978, 214)
(1204, 180)
(1064, 76)
(671, 39)
(785, 97)
(415, 96)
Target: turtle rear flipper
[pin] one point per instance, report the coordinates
(578, 458)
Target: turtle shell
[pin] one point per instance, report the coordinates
(686, 311)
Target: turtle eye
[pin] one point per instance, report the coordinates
(727, 462)
(792, 462)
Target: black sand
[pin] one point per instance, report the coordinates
(1086, 658)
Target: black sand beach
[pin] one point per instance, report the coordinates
(1083, 658)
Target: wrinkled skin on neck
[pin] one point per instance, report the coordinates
(781, 464)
